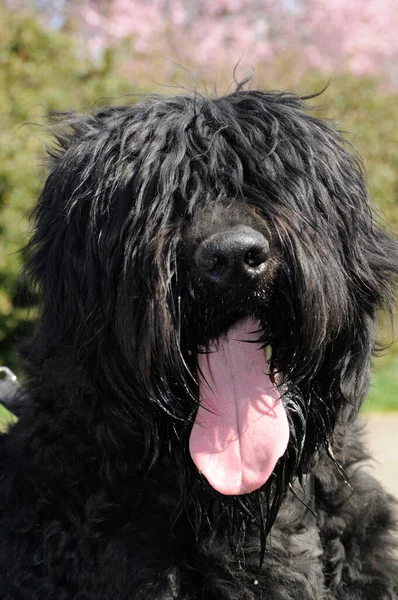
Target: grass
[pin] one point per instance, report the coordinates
(383, 395)
(6, 418)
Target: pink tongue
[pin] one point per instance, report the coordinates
(241, 428)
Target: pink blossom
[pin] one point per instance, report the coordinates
(356, 35)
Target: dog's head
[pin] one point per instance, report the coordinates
(215, 267)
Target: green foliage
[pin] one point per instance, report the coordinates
(40, 71)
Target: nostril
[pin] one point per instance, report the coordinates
(209, 261)
(256, 256)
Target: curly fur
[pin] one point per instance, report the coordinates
(99, 496)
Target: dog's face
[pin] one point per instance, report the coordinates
(218, 263)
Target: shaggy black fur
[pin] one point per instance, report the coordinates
(99, 496)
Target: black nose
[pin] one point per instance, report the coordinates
(233, 257)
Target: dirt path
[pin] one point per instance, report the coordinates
(382, 437)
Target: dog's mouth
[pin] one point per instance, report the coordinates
(241, 428)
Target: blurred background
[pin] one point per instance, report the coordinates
(61, 54)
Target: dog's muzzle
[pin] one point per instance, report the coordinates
(233, 257)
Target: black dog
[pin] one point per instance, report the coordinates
(210, 274)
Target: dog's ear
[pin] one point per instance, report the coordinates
(369, 257)
(372, 262)
(369, 266)
(63, 253)
(369, 261)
